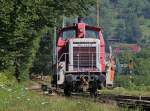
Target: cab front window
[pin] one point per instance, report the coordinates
(91, 34)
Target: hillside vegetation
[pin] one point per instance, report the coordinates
(27, 30)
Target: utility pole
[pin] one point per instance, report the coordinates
(54, 44)
(64, 20)
(98, 12)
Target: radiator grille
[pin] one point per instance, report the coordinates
(84, 57)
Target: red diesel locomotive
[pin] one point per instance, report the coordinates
(80, 59)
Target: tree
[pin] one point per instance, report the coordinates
(128, 14)
(120, 31)
(23, 22)
(143, 62)
(106, 17)
(133, 32)
(144, 42)
(43, 60)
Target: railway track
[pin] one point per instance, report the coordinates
(142, 102)
(130, 101)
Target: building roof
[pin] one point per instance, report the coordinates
(122, 47)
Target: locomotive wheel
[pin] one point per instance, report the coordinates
(101, 85)
(68, 85)
(94, 87)
(102, 81)
(67, 89)
(67, 92)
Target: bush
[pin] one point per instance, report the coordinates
(125, 81)
(140, 78)
(133, 82)
(6, 78)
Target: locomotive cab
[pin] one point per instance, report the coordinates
(80, 53)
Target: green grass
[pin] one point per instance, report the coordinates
(18, 98)
(123, 91)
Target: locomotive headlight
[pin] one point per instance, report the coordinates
(61, 65)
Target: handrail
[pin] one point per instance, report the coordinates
(62, 56)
